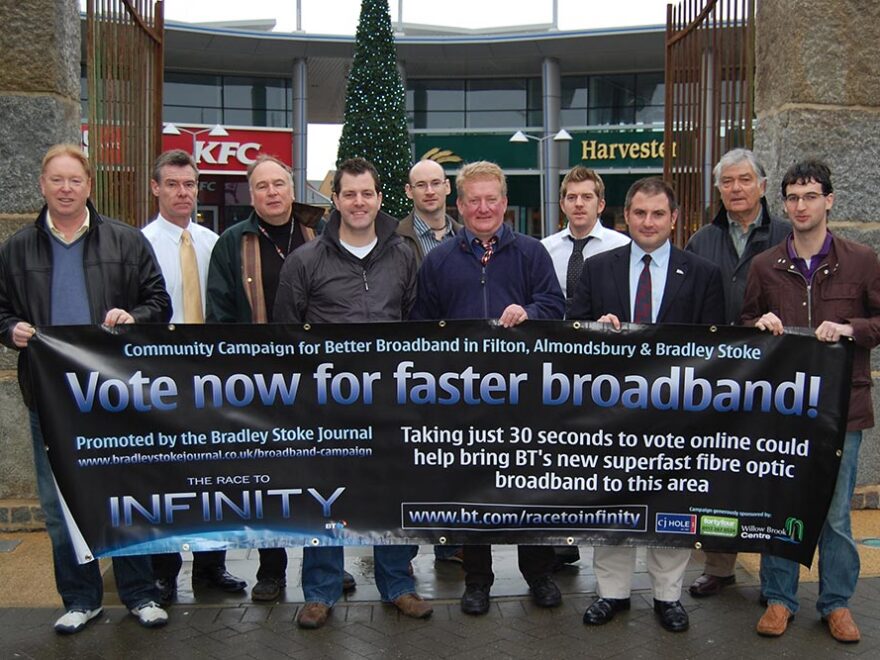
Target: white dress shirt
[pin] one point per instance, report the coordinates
(164, 236)
(659, 268)
(559, 245)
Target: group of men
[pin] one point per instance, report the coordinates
(284, 264)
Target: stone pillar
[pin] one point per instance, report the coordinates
(39, 104)
(817, 93)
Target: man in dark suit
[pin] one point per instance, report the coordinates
(648, 281)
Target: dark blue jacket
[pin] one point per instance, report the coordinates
(693, 293)
(453, 284)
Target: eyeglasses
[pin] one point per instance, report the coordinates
(809, 198)
(436, 184)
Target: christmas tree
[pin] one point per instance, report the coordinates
(375, 107)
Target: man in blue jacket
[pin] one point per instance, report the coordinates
(489, 271)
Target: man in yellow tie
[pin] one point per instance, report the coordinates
(183, 250)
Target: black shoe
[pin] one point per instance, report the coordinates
(672, 615)
(348, 582)
(710, 585)
(268, 589)
(475, 599)
(603, 610)
(218, 578)
(545, 593)
(167, 590)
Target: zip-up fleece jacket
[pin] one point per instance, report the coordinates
(453, 283)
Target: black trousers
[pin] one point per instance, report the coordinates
(535, 561)
(167, 565)
(273, 564)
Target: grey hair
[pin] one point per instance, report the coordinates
(735, 157)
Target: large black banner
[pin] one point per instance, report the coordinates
(199, 437)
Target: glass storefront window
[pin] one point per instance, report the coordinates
(177, 114)
(252, 92)
(444, 104)
(612, 99)
(650, 97)
(497, 119)
(509, 94)
(575, 117)
(575, 92)
(194, 90)
(438, 119)
(255, 117)
(436, 96)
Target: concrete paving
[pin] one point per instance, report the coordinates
(207, 624)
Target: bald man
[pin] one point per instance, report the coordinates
(428, 225)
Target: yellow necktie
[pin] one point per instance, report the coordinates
(189, 277)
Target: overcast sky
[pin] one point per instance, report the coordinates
(341, 16)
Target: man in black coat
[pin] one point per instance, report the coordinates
(742, 229)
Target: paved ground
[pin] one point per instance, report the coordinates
(208, 625)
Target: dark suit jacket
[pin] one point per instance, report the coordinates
(693, 292)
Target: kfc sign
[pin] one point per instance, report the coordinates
(233, 153)
(230, 154)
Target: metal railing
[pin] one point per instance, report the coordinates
(710, 64)
(124, 62)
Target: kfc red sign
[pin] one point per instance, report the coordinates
(229, 154)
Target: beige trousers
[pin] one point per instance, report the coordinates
(615, 565)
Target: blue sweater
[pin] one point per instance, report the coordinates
(453, 284)
(70, 298)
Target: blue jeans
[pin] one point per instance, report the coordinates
(81, 586)
(322, 573)
(838, 557)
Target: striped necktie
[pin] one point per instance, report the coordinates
(488, 248)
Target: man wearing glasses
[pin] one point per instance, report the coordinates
(742, 229)
(428, 225)
(819, 280)
(424, 229)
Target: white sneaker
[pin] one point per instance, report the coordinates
(75, 620)
(150, 615)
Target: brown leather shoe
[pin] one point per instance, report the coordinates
(842, 627)
(312, 615)
(709, 585)
(414, 606)
(775, 620)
